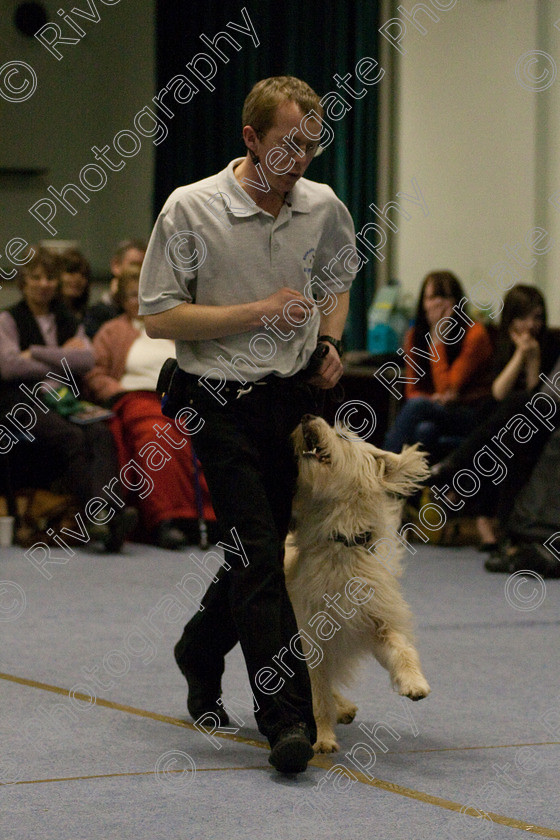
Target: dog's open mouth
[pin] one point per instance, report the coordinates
(311, 445)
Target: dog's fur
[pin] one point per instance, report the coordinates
(347, 487)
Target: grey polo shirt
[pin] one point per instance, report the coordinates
(213, 245)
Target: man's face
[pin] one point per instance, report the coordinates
(283, 171)
(131, 257)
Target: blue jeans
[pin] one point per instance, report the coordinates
(423, 421)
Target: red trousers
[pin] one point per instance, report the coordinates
(174, 495)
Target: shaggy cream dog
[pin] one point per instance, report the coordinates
(347, 599)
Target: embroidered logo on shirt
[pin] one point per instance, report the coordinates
(308, 259)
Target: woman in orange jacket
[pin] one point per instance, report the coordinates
(447, 357)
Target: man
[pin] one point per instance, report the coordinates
(225, 273)
(128, 253)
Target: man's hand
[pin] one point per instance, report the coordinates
(299, 310)
(201, 322)
(330, 371)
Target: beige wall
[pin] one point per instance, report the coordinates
(482, 142)
(82, 100)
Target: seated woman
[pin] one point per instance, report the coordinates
(125, 376)
(39, 336)
(532, 530)
(525, 349)
(447, 359)
(75, 278)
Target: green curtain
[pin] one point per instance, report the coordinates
(309, 39)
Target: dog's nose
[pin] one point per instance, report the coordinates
(307, 418)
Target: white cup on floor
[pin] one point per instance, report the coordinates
(6, 531)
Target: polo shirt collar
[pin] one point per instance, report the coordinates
(227, 182)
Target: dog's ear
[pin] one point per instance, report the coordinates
(405, 472)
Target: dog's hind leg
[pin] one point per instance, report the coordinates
(345, 709)
(324, 709)
(400, 658)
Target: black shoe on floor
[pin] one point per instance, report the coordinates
(489, 547)
(120, 526)
(535, 557)
(169, 536)
(292, 750)
(203, 693)
(500, 561)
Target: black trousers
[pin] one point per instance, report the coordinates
(80, 458)
(498, 500)
(248, 460)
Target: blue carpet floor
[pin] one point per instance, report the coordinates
(480, 757)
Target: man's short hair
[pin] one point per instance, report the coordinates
(128, 245)
(264, 98)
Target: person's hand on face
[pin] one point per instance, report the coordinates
(524, 341)
(436, 306)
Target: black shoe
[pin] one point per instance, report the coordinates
(535, 557)
(489, 547)
(121, 525)
(204, 693)
(500, 561)
(292, 750)
(169, 536)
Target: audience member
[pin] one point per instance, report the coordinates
(525, 349)
(75, 278)
(129, 253)
(532, 529)
(125, 377)
(38, 336)
(447, 380)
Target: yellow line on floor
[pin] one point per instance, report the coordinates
(229, 736)
(131, 710)
(485, 747)
(449, 805)
(137, 773)
(324, 762)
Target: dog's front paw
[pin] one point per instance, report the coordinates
(346, 714)
(415, 688)
(326, 743)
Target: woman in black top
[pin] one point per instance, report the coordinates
(525, 349)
